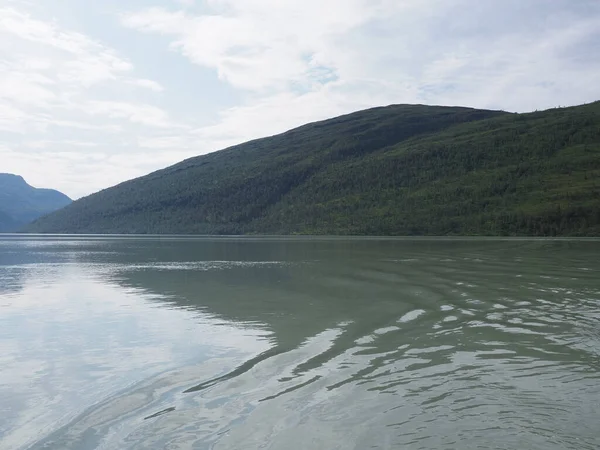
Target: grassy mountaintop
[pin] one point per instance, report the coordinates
(21, 203)
(396, 170)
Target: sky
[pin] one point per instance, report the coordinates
(95, 93)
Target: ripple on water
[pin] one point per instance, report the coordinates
(438, 348)
(411, 315)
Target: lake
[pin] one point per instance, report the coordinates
(299, 343)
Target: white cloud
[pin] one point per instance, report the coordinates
(80, 170)
(48, 143)
(237, 70)
(301, 61)
(11, 118)
(136, 113)
(88, 61)
(148, 84)
(164, 142)
(63, 93)
(32, 89)
(46, 121)
(44, 64)
(258, 45)
(187, 3)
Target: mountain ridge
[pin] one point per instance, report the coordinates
(21, 203)
(399, 169)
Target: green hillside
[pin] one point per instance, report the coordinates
(398, 170)
(21, 203)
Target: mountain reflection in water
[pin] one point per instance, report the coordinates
(299, 343)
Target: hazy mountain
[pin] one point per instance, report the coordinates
(396, 170)
(21, 203)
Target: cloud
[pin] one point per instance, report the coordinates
(182, 78)
(164, 142)
(67, 105)
(187, 3)
(47, 143)
(137, 113)
(46, 66)
(46, 121)
(300, 61)
(88, 62)
(42, 168)
(11, 118)
(258, 45)
(148, 84)
(81, 172)
(26, 88)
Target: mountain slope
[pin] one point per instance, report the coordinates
(7, 223)
(403, 169)
(21, 203)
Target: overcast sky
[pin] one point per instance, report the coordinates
(96, 92)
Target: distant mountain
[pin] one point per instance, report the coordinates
(21, 203)
(396, 170)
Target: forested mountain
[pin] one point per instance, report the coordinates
(21, 203)
(396, 170)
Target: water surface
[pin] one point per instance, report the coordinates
(231, 343)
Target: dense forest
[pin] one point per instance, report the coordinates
(396, 170)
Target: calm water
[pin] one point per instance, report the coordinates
(175, 343)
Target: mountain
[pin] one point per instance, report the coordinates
(21, 203)
(396, 170)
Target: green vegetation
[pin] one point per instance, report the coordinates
(21, 203)
(398, 170)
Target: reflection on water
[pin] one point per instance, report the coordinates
(234, 343)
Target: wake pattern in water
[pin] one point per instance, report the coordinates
(427, 351)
